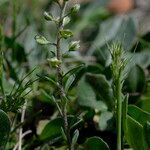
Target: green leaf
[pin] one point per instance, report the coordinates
(18, 50)
(144, 103)
(74, 45)
(41, 40)
(126, 33)
(146, 134)
(134, 134)
(138, 114)
(102, 88)
(66, 20)
(63, 134)
(48, 16)
(104, 120)
(75, 137)
(47, 97)
(103, 56)
(94, 13)
(54, 62)
(69, 82)
(114, 29)
(96, 143)
(87, 96)
(135, 82)
(72, 71)
(140, 58)
(95, 68)
(71, 78)
(47, 78)
(75, 8)
(66, 33)
(53, 129)
(4, 129)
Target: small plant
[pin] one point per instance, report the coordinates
(61, 99)
(118, 66)
(4, 119)
(11, 101)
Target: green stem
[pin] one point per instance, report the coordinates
(59, 78)
(119, 114)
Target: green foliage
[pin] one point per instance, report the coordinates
(118, 65)
(4, 129)
(137, 124)
(146, 134)
(87, 97)
(135, 82)
(95, 142)
(52, 130)
(134, 129)
(138, 114)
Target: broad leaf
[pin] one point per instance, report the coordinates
(87, 96)
(140, 58)
(95, 143)
(136, 80)
(114, 29)
(144, 104)
(18, 50)
(102, 87)
(134, 133)
(146, 134)
(138, 114)
(53, 131)
(105, 120)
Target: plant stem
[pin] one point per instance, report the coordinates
(119, 113)
(59, 78)
(21, 129)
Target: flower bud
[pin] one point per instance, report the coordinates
(54, 62)
(74, 45)
(66, 20)
(41, 40)
(66, 33)
(48, 16)
(75, 8)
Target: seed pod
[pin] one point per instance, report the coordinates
(66, 20)
(66, 33)
(54, 62)
(74, 45)
(41, 40)
(48, 16)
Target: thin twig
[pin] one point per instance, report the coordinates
(23, 135)
(21, 129)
